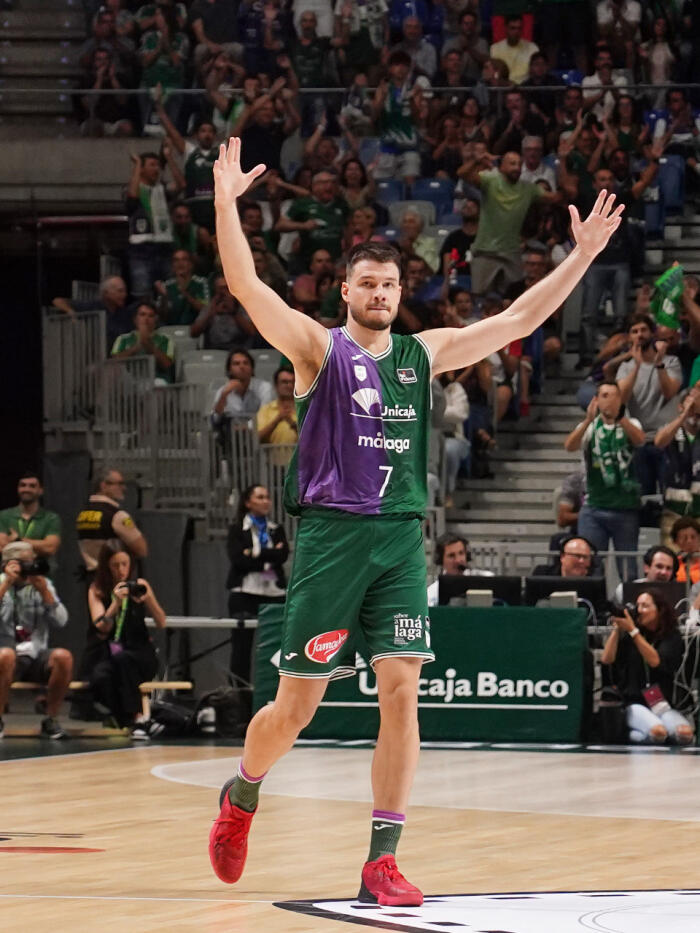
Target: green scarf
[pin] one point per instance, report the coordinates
(612, 454)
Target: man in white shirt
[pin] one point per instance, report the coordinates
(243, 394)
(599, 94)
(514, 50)
(452, 556)
(618, 25)
(534, 169)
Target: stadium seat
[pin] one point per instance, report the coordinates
(569, 76)
(388, 191)
(180, 336)
(450, 220)
(389, 233)
(438, 190)
(203, 366)
(651, 116)
(672, 181)
(84, 291)
(266, 363)
(425, 208)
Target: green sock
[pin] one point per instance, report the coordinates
(245, 790)
(386, 832)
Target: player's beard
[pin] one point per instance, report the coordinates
(364, 320)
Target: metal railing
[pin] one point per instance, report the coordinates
(73, 348)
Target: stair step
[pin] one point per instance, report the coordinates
(535, 454)
(553, 467)
(541, 410)
(549, 398)
(478, 497)
(534, 441)
(21, 104)
(546, 426)
(504, 531)
(508, 482)
(495, 514)
(18, 54)
(57, 6)
(35, 23)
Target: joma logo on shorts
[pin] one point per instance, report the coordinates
(322, 648)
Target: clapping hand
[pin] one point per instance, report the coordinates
(592, 234)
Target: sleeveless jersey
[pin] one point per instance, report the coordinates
(364, 429)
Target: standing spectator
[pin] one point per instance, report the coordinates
(198, 164)
(455, 252)
(277, 420)
(323, 10)
(356, 187)
(215, 28)
(618, 25)
(600, 89)
(164, 52)
(395, 112)
(220, 75)
(195, 240)
(457, 446)
(419, 49)
(223, 321)
(262, 28)
(118, 601)
(150, 228)
(611, 507)
(514, 50)
(29, 522)
(264, 123)
(471, 46)
(103, 517)
(112, 300)
(145, 340)
(648, 380)
(257, 549)
(505, 200)
(367, 26)
(658, 59)
(310, 56)
(29, 607)
(680, 442)
(105, 114)
(565, 24)
(243, 394)
(319, 218)
(105, 36)
(185, 294)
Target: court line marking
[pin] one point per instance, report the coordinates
(116, 897)
(98, 751)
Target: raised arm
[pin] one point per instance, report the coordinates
(453, 348)
(301, 339)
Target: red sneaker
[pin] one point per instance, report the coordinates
(383, 883)
(228, 839)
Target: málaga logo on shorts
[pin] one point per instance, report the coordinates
(322, 648)
(406, 376)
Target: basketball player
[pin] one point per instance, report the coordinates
(358, 481)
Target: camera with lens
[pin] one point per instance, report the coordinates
(632, 609)
(38, 567)
(135, 589)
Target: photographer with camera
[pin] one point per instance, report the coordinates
(608, 438)
(645, 650)
(29, 606)
(118, 605)
(649, 379)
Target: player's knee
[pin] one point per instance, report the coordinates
(61, 660)
(293, 716)
(399, 702)
(7, 661)
(658, 734)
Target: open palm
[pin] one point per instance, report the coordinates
(592, 235)
(230, 181)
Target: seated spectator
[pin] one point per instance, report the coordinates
(264, 123)
(678, 128)
(649, 380)
(145, 17)
(473, 49)
(661, 565)
(356, 187)
(29, 522)
(516, 123)
(105, 36)
(608, 439)
(252, 219)
(243, 394)
(541, 103)
(112, 300)
(474, 126)
(215, 27)
(642, 651)
(395, 111)
(220, 76)
(124, 21)
(576, 559)
(446, 157)
(415, 309)
(618, 24)
(504, 364)
(598, 95)
(419, 49)
(104, 518)
(268, 269)
(319, 218)
(105, 114)
(312, 63)
(455, 252)
(145, 340)
(451, 75)
(569, 502)
(565, 27)
(29, 607)
(679, 440)
(566, 114)
(163, 52)
(452, 556)
(515, 51)
(685, 537)
(625, 128)
(118, 602)
(150, 228)
(192, 238)
(198, 163)
(223, 321)
(361, 228)
(533, 168)
(305, 295)
(257, 549)
(457, 446)
(185, 295)
(413, 242)
(277, 420)
(459, 309)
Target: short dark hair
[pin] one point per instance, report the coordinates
(240, 351)
(148, 155)
(445, 541)
(399, 57)
(681, 523)
(607, 382)
(376, 252)
(30, 474)
(204, 122)
(649, 556)
(513, 17)
(639, 317)
(282, 369)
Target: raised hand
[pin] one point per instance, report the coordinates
(230, 181)
(592, 235)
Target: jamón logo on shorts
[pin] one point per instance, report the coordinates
(322, 648)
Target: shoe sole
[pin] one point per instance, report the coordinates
(365, 896)
(225, 790)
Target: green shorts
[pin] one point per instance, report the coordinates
(354, 578)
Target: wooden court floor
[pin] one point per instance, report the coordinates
(480, 821)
